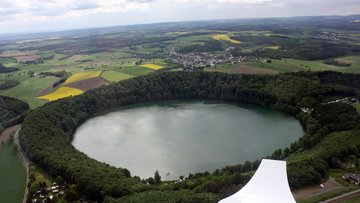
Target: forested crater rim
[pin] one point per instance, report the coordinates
(47, 132)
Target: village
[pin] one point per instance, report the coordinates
(330, 35)
(193, 61)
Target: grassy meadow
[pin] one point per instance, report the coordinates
(115, 76)
(29, 88)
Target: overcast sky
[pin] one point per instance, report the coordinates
(50, 15)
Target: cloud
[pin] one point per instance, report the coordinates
(60, 8)
(84, 5)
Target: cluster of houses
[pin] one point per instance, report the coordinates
(39, 75)
(347, 100)
(47, 194)
(330, 35)
(352, 178)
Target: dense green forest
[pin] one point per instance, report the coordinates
(3, 69)
(12, 111)
(7, 84)
(47, 132)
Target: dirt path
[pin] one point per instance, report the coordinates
(25, 160)
(4, 136)
(307, 192)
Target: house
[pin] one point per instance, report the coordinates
(352, 178)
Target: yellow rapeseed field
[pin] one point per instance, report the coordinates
(62, 92)
(176, 33)
(152, 66)
(273, 47)
(223, 37)
(82, 76)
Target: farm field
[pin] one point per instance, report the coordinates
(88, 84)
(115, 76)
(12, 187)
(291, 65)
(224, 37)
(62, 92)
(273, 47)
(135, 70)
(29, 88)
(240, 69)
(151, 66)
(82, 76)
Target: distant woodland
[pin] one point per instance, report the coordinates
(12, 111)
(3, 69)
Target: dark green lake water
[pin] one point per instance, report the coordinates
(177, 138)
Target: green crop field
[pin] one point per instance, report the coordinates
(28, 89)
(114, 76)
(12, 175)
(135, 70)
(290, 65)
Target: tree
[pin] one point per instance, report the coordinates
(71, 195)
(151, 181)
(59, 179)
(157, 177)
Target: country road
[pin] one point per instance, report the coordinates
(25, 161)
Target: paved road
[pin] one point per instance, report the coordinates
(25, 161)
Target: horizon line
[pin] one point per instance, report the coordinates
(160, 22)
